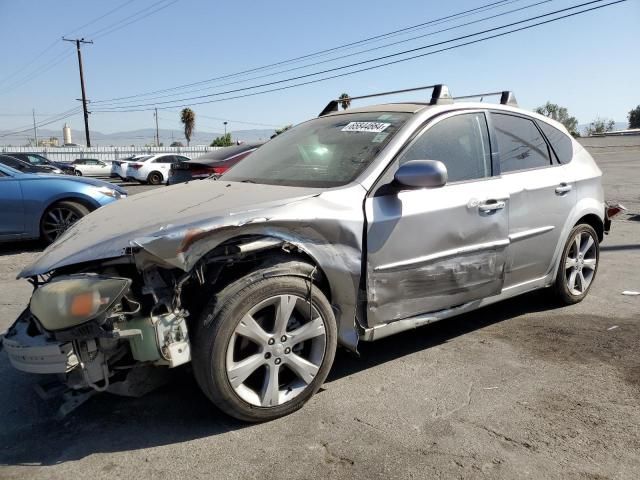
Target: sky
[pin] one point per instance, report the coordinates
(588, 63)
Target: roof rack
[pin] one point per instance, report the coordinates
(439, 96)
(506, 97)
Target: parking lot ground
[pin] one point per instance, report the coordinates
(521, 389)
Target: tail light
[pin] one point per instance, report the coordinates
(135, 166)
(201, 170)
(613, 210)
(220, 170)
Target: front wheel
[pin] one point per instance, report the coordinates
(264, 347)
(77, 173)
(578, 265)
(58, 218)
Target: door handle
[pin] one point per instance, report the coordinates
(491, 206)
(563, 188)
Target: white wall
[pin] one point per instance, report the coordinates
(69, 154)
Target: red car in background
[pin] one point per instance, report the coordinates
(213, 163)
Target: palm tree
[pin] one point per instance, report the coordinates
(345, 100)
(188, 118)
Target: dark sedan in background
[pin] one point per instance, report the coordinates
(21, 166)
(213, 163)
(41, 161)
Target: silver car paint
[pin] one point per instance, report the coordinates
(329, 224)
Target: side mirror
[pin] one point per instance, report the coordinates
(421, 174)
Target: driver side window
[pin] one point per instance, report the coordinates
(460, 142)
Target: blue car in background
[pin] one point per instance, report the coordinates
(43, 206)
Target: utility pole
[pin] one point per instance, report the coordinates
(225, 128)
(78, 41)
(157, 132)
(35, 130)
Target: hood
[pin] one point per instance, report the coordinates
(71, 178)
(167, 211)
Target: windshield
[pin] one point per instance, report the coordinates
(325, 152)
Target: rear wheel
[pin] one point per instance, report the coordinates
(58, 218)
(154, 178)
(264, 346)
(578, 265)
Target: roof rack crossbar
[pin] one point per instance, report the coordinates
(440, 95)
(506, 97)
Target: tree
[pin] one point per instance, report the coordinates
(560, 114)
(176, 144)
(188, 119)
(600, 126)
(222, 141)
(280, 130)
(634, 118)
(345, 100)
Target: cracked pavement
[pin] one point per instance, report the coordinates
(520, 389)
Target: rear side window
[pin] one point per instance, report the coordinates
(460, 142)
(520, 143)
(560, 142)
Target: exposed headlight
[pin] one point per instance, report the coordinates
(109, 192)
(71, 300)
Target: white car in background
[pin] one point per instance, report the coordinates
(119, 167)
(153, 169)
(91, 167)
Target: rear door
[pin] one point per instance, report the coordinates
(163, 164)
(431, 249)
(11, 207)
(542, 197)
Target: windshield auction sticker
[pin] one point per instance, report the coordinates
(370, 127)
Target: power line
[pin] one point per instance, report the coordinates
(329, 50)
(61, 57)
(120, 109)
(61, 116)
(108, 30)
(491, 17)
(97, 19)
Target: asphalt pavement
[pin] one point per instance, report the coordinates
(521, 389)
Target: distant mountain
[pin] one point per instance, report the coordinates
(140, 137)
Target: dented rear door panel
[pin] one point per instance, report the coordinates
(431, 249)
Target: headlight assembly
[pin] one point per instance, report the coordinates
(109, 192)
(71, 300)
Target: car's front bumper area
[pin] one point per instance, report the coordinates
(29, 350)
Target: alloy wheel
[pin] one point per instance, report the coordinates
(57, 220)
(580, 264)
(276, 350)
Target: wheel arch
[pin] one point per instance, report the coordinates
(36, 217)
(594, 221)
(233, 260)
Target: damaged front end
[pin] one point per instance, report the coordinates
(93, 330)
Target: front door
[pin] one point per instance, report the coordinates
(11, 207)
(432, 249)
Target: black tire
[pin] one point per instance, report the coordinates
(561, 287)
(76, 210)
(77, 173)
(219, 320)
(155, 178)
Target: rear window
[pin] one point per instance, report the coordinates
(560, 142)
(520, 143)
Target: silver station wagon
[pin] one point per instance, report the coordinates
(349, 227)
